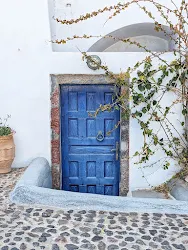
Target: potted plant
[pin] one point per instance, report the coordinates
(7, 147)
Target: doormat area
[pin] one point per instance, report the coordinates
(35, 187)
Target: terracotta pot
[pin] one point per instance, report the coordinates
(7, 153)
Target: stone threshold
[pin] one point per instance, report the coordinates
(35, 187)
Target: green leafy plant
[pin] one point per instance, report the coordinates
(4, 128)
(152, 84)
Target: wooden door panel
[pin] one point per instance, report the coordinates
(88, 164)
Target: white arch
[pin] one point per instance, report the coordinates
(137, 32)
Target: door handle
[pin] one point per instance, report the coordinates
(116, 150)
(100, 136)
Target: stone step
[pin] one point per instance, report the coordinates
(179, 189)
(148, 193)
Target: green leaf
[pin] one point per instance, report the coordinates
(155, 139)
(144, 110)
(184, 111)
(166, 165)
(136, 153)
(141, 87)
(148, 86)
(148, 106)
(154, 102)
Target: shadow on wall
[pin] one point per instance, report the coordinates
(143, 33)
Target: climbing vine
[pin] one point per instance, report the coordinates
(150, 82)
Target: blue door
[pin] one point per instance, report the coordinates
(90, 154)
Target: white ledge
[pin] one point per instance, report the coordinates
(34, 188)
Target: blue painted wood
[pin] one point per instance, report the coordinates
(89, 165)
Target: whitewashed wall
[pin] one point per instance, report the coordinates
(71, 9)
(26, 62)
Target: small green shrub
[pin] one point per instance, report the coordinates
(4, 129)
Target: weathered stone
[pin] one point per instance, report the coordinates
(145, 237)
(38, 230)
(97, 231)
(136, 247)
(17, 238)
(118, 236)
(113, 247)
(19, 233)
(63, 228)
(85, 229)
(74, 240)
(46, 214)
(140, 242)
(122, 244)
(45, 235)
(130, 239)
(101, 245)
(42, 239)
(85, 241)
(55, 247)
(165, 242)
(88, 246)
(112, 239)
(23, 246)
(62, 222)
(166, 247)
(36, 214)
(33, 235)
(153, 232)
(36, 244)
(74, 231)
(153, 245)
(25, 228)
(64, 234)
(94, 230)
(27, 239)
(7, 234)
(85, 235)
(6, 241)
(108, 232)
(29, 210)
(71, 247)
(52, 231)
(179, 246)
(5, 248)
(97, 238)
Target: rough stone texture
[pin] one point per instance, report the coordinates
(124, 160)
(37, 174)
(36, 227)
(55, 134)
(144, 193)
(29, 190)
(179, 189)
(57, 80)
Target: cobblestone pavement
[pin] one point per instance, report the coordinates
(23, 227)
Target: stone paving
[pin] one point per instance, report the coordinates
(23, 227)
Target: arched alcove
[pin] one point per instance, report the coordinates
(143, 33)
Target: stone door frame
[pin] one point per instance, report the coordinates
(56, 81)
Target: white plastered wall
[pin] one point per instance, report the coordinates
(26, 63)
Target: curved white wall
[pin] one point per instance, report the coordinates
(152, 43)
